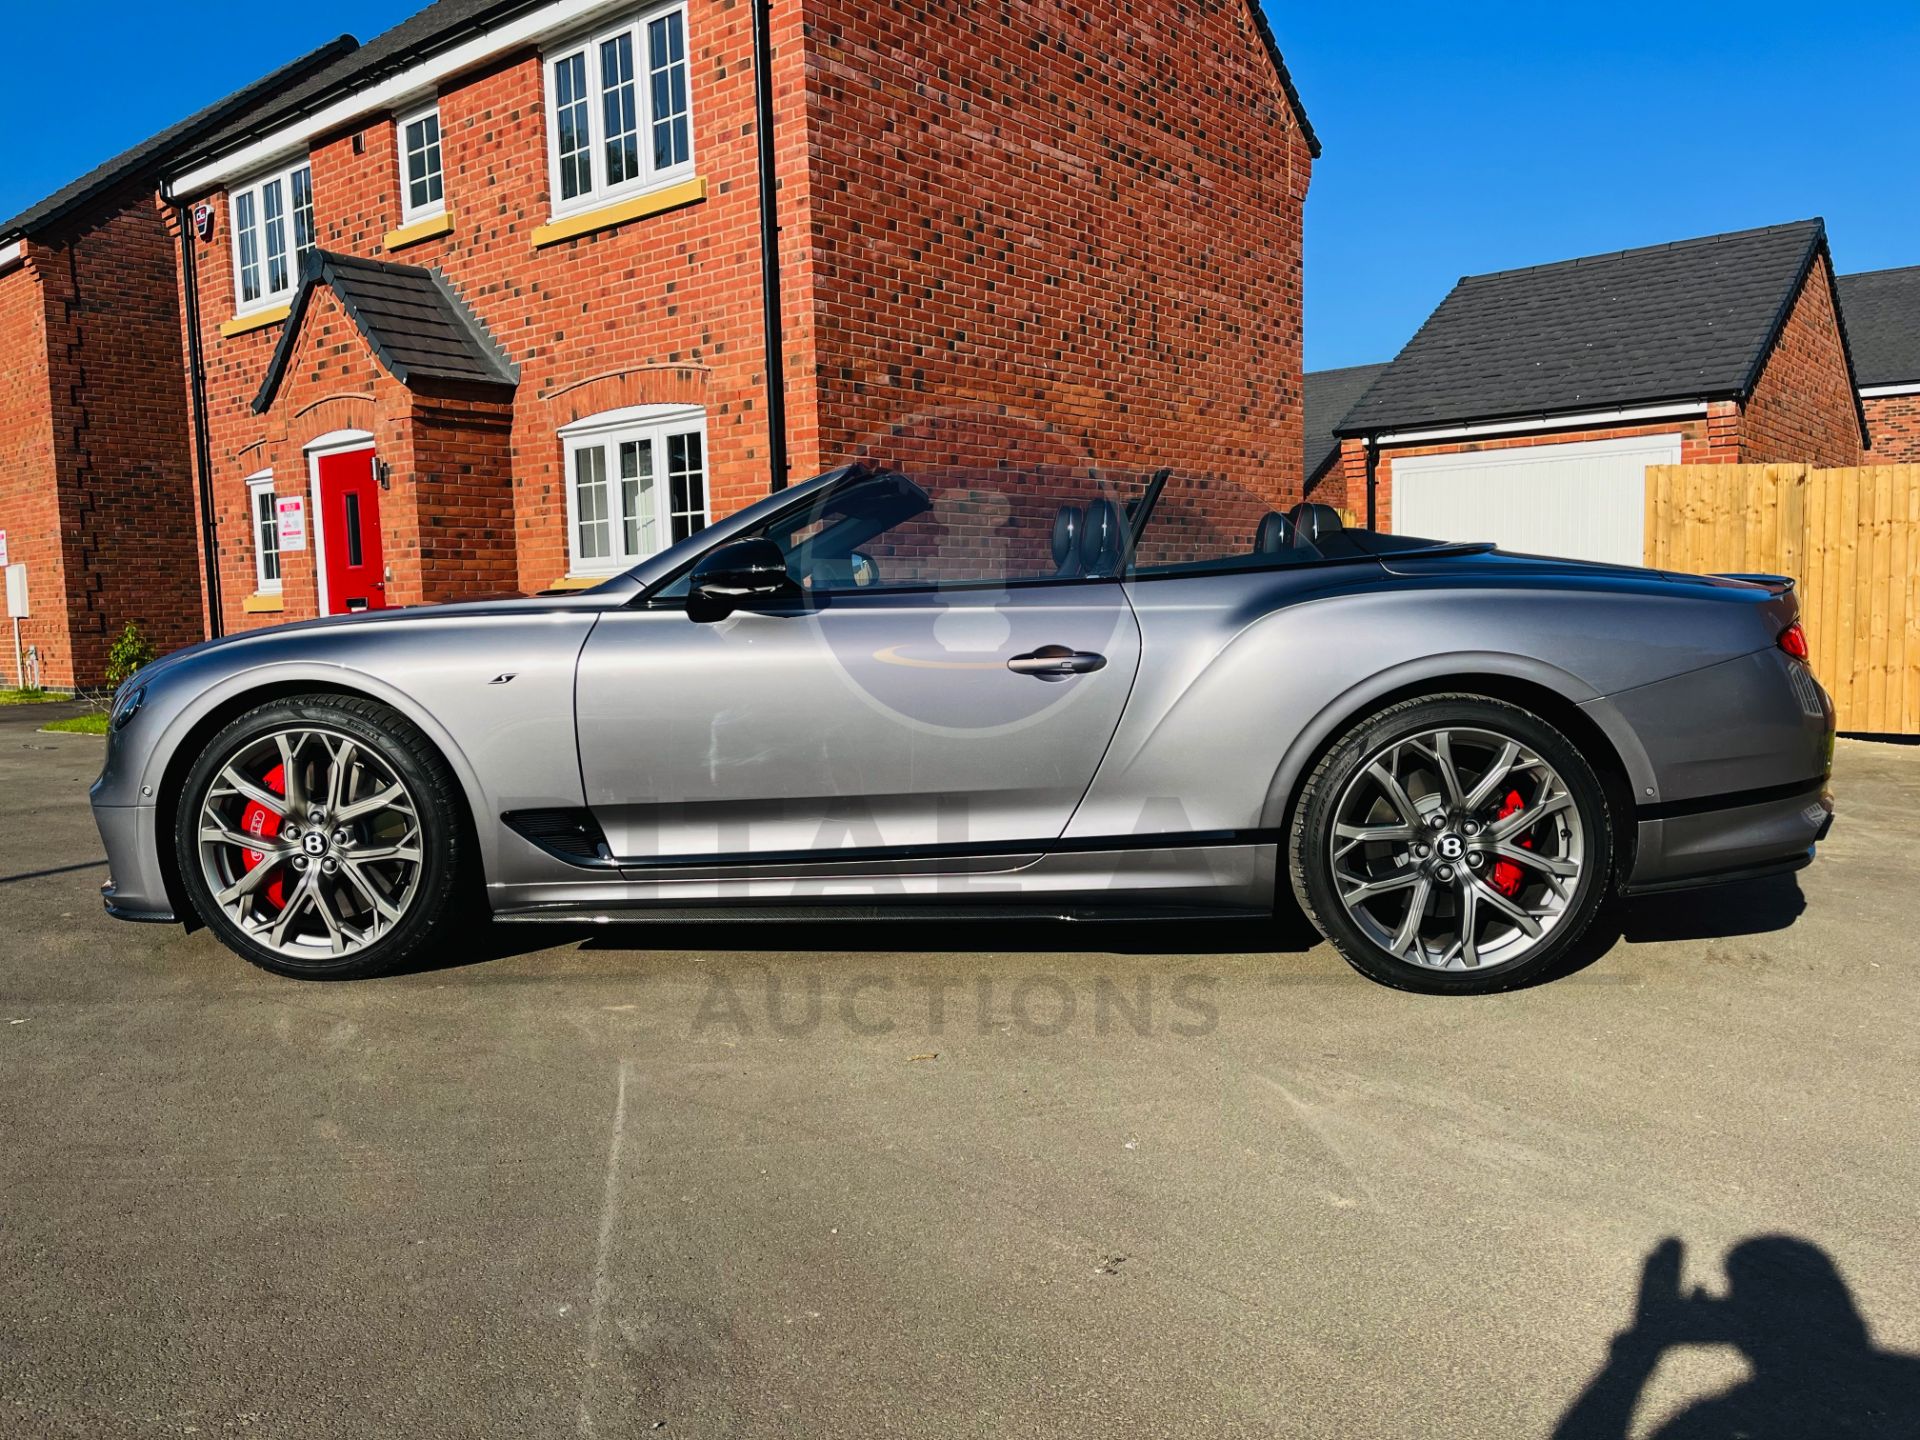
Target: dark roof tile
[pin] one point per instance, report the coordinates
(413, 320)
(1686, 321)
(438, 26)
(1882, 313)
(1326, 397)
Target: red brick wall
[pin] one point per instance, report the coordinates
(1071, 229)
(332, 384)
(1094, 243)
(110, 480)
(1893, 424)
(446, 518)
(661, 309)
(463, 497)
(1802, 408)
(29, 506)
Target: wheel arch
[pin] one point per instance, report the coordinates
(1553, 694)
(195, 730)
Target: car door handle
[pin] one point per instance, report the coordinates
(1056, 662)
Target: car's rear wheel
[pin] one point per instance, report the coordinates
(318, 837)
(1452, 844)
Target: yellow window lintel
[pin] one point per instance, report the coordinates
(670, 197)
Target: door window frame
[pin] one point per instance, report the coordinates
(334, 442)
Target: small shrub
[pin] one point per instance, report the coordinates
(127, 654)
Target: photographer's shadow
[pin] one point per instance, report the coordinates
(1816, 1371)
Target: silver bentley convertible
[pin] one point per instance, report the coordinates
(950, 692)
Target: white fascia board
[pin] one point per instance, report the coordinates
(1584, 420)
(416, 83)
(10, 254)
(1876, 392)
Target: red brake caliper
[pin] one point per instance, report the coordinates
(258, 820)
(1506, 875)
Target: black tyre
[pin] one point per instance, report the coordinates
(1452, 844)
(320, 837)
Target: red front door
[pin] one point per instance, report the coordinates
(350, 534)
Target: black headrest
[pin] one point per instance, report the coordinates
(1313, 522)
(1067, 524)
(1101, 541)
(1274, 533)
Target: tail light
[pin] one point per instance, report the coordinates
(1793, 640)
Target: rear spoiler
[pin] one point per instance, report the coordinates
(1778, 584)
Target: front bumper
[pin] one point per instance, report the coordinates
(1731, 837)
(136, 887)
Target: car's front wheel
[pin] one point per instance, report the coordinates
(317, 836)
(1452, 844)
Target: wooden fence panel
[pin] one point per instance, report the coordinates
(1850, 538)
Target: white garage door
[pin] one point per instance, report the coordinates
(1586, 499)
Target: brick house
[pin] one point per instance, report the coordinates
(96, 485)
(1325, 398)
(484, 306)
(1528, 406)
(1883, 323)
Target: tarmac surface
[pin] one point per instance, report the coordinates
(937, 1180)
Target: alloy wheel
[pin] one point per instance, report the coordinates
(1458, 848)
(310, 842)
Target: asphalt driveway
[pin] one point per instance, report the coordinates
(934, 1180)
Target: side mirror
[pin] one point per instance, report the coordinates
(737, 574)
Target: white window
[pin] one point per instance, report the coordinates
(266, 532)
(619, 119)
(272, 230)
(636, 483)
(422, 184)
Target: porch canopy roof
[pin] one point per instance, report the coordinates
(413, 320)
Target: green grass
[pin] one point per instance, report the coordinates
(31, 697)
(77, 725)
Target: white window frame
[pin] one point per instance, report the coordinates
(256, 189)
(257, 486)
(409, 212)
(650, 177)
(652, 423)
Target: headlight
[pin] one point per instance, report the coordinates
(124, 711)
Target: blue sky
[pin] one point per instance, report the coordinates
(1458, 139)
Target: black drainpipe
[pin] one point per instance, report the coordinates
(769, 246)
(1373, 471)
(202, 449)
